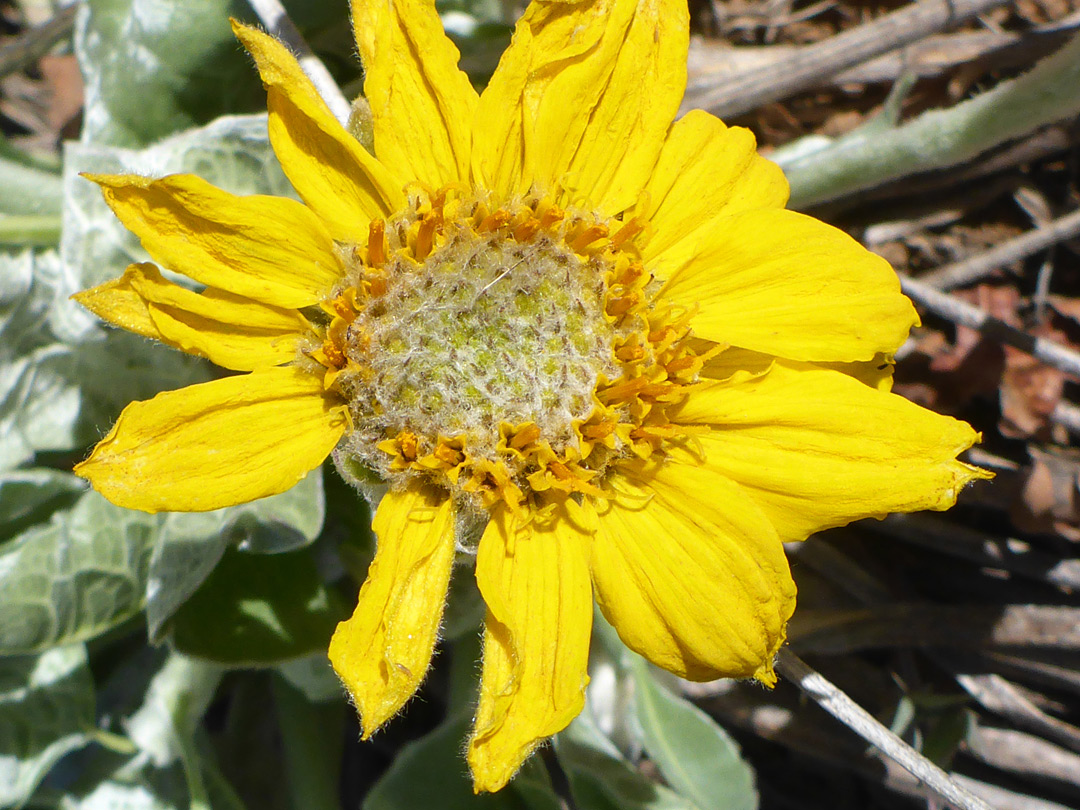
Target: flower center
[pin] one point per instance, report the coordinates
(500, 350)
(483, 331)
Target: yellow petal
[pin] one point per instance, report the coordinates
(337, 178)
(422, 105)
(219, 239)
(117, 302)
(733, 362)
(216, 444)
(817, 448)
(382, 653)
(786, 284)
(234, 332)
(535, 581)
(583, 98)
(877, 372)
(692, 575)
(706, 170)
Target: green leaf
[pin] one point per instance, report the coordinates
(349, 526)
(151, 68)
(62, 378)
(121, 795)
(158, 699)
(62, 397)
(30, 230)
(945, 736)
(175, 702)
(313, 676)
(192, 544)
(312, 737)
(258, 609)
(601, 778)
(190, 547)
(697, 757)
(464, 605)
(30, 496)
(431, 772)
(166, 726)
(74, 578)
(280, 523)
(46, 711)
(28, 288)
(28, 190)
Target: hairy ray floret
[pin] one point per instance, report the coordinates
(498, 350)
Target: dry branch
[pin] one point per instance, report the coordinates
(979, 266)
(31, 45)
(844, 709)
(961, 312)
(738, 93)
(712, 61)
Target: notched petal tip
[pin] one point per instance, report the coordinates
(535, 581)
(766, 676)
(215, 444)
(118, 302)
(383, 652)
(333, 174)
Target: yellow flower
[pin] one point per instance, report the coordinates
(550, 327)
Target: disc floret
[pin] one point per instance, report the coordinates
(502, 350)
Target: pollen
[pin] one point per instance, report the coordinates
(499, 350)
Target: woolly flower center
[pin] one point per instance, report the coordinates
(501, 351)
(483, 331)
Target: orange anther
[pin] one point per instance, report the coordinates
(620, 305)
(632, 275)
(660, 335)
(588, 236)
(333, 354)
(627, 232)
(623, 390)
(526, 435)
(425, 236)
(343, 308)
(681, 364)
(551, 216)
(408, 444)
(492, 222)
(377, 287)
(629, 354)
(527, 230)
(448, 455)
(598, 431)
(559, 470)
(376, 242)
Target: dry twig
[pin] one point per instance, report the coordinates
(961, 312)
(711, 61)
(983, 264)
(740, 92)
(855, 717)
(31, 45)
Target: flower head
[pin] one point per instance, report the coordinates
(548, 326)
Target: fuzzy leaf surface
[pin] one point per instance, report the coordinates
(46, 711)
